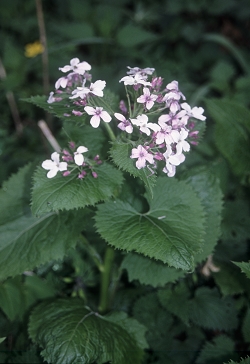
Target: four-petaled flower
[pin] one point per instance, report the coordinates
(76, 66)
(135, 80)
(54, 165)
(125, 124)
(95, 88)
(98, 114)
(172, 160)
(195, 112)
(78, 157)
(147, 98)
(142, 155)
(179, 139)
(142, 122)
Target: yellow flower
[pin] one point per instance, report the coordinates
(33, 49)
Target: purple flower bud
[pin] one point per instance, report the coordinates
(123, 107)
(72, 145)
(94, 174)
(194, 134)
(159, 156)
(77, 113)
(65, 174)
(82, 174)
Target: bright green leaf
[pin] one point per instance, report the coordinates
(149, 271)
(120, 154)
(69, 333)
(171, 231)
(67, 193)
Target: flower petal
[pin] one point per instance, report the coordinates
(95, 121)
(78, 159)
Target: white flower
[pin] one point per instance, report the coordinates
(135, 80)
(78, 157)
(125, 124)
(135, 70)
(147, 98)
(142, 155)
(76, 66)
(179, 138)
(61, 82)
(172, 160)
(54, 165)
(51, 98)
(195, 112)
(142, 122)
(98, 114)
(95, 88)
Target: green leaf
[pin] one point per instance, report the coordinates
(221, 348)
(27, 357)
(243, 361)
(131, 36)
(207, 187)
(120, 154)
(228, 279)
(246, 327)
(149, 271)
(69, 333)
(176, 301)
(12, 299)
(231, 136)
(171, 231)
(210, 311)
(245, 267)
(67, 193)
(27, 241)
(2, 339)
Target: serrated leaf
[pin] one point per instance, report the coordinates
(243, 361)
(171, 231)
(228, 279)
(27, 241)
(210, 311)
(207, 187)
(69, 333)
(232, 133)
(67, 193)
(245, 267)
(27, 357)
(221, 348)
(176, 301)
(120, 154)
(59, 109)
(149, 271)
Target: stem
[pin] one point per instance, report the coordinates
(43, 40)
(110, 132)
(105, 280)
(129, 104)
(93, 253)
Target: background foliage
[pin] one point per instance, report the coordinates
(174, 313)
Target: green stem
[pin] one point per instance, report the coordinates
(93, 253)
(105, 280)
(110, 132)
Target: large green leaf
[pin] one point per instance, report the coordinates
(243, 361)
(207, 187)
(245, 267)
(67, 193)
(171, 231)
(69, 333)
(149, 271)
(210, 311)
(220, 349)
(120, 154)
(27, 241)
(232, 133)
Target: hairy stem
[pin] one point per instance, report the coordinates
(110, 132)
(105, 280)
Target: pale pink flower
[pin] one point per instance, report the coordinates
(98, 114)
(61, 82)
(142, 122)
(179, 139)
(195, 112)
(78, 157)
(147, 98)
(164, 135)
(135, 80)
(142, 155)
(142, 71)
(172, 160)
(76, 66)
(54, 165)
(125, 124)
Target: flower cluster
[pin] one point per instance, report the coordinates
(159, 124)
(71, 160)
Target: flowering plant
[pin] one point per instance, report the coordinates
(156, 218)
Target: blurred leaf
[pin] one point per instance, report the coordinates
(67, 193)
(149, 271)
(171, 231)
(246, 327)
(228, 279)
(220, 349)
(132, 36)
(68, 333)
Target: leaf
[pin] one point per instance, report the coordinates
(176, 301)
(131, 36)
(221, 348)
(171, 231)
(231, 136)
(69, 333)
(207, 187)
(26, 241)
(228, 279)
(149, 271)
(243, 361)
(12, 299)
(210, 311)
(245, 267)
(120, 154)
(67, 193)
(28, 357)
(2, 339)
